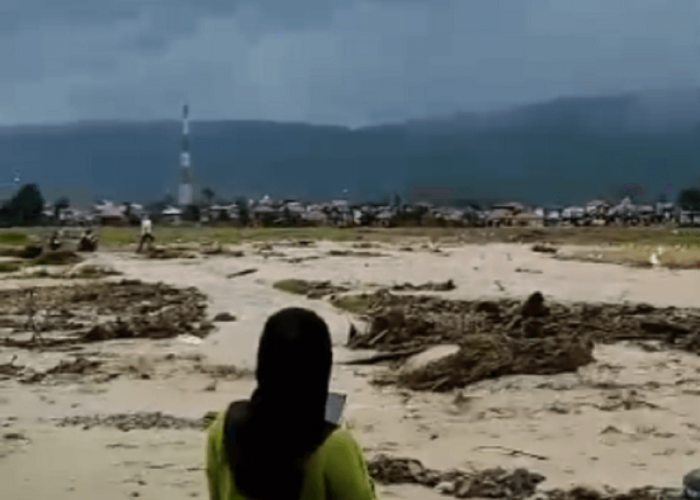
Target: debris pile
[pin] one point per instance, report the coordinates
(544, 248)
(133, 421)
(101, 311)
(57, 258)
(495, 483)
(91, 271)
(244, 272)
(490, 356)
(79, 366)
(582, 493)
(312, 289)
(355, 253)
(508, 337)
(443, 286)
(30, 251)
(490, 483)
(162, 252)
(224, 317)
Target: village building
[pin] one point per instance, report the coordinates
(171, 215)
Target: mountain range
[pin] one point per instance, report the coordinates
(562, 151)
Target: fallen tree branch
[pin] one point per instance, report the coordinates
(242, 273)
(385, 356)
(512, 451)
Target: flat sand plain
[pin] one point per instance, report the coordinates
(558, 418)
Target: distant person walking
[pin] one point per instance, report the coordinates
(146, 233)
(278, 445)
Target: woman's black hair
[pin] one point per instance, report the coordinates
(269, 438)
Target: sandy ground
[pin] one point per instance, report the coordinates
(571, 422)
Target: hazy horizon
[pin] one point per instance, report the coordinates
(350, 62)
(176, 116)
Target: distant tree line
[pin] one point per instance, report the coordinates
(689, 199)
(25, 208)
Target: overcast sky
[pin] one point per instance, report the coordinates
(350, 62)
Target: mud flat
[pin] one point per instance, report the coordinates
(106, 391)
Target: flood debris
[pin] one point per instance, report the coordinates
(501, 483)
(508, 337)
(544, 248)
(30, 251)
(489, 483)
(91, 271)
(355, 253)
(484, 357)
(98, 311)
(133, 421)
(243, 272)
(170, 252)
(299, 260)
(312, 289)
(443, 286)
(526, 270)
(224, 317)
(80, 366)
(57, 258)
(584, 493)
(10, 369)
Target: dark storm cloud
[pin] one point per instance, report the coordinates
(343, 61)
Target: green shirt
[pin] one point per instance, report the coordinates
(336, 470)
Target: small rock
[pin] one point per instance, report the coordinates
(445, 488)
(211, 387)
(14, 436)
(534, 306)
(559, 407)
(224, 317)
(420, 361)
(464, 488)
(135, 494)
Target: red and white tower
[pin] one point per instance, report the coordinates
(185, 194)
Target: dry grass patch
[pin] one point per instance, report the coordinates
(643, 256)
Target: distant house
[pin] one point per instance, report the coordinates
(514, 207)
(500, 217)
(172, 215)
(689, 218)
(315, 215)
(529, 219)
(264, 214)
(107, 213)
(385, 217)
(665, 212)
(552, 216)
(574, 215)
(222, 212)
(597, 208)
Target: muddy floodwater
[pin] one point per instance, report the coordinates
(471, 371)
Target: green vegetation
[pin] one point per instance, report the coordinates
(640, 256)
(119, 237)
(356, 304)
(25, 208)
(296, 286)
(13, 238)
(689, 199)
(10, 267)
(58, 258)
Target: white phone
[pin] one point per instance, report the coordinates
(335, 404)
